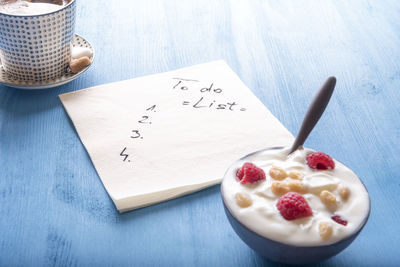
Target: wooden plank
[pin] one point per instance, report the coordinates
(54, 210)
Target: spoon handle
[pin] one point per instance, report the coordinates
(314, 112)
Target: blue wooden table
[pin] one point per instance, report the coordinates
(54, 210)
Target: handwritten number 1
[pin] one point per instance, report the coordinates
(151, 108)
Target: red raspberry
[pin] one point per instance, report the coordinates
(240, 173)
(339, 219)
(250, 173)
(320, 161)
(293, 206)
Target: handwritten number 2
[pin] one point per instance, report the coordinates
(143, 120)
(136, 134)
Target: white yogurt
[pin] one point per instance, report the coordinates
(265, 219)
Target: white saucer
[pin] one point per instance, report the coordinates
(7, 80)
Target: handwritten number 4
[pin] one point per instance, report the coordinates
(122, 154)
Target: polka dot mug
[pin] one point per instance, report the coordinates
(37, 47)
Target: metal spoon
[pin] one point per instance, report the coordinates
(314, 112)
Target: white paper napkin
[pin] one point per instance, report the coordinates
(162, 136)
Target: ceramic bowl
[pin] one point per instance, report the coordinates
(281, 252)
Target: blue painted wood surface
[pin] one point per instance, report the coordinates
(54, 210)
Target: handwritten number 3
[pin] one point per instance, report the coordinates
(136, 134)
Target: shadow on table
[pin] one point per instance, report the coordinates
(174, 204)
(187, 200)
(261, 261)
(20, 102)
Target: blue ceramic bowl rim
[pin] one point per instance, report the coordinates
(39, 15)
(364, 222)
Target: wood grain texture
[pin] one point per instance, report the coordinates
(54, 210)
